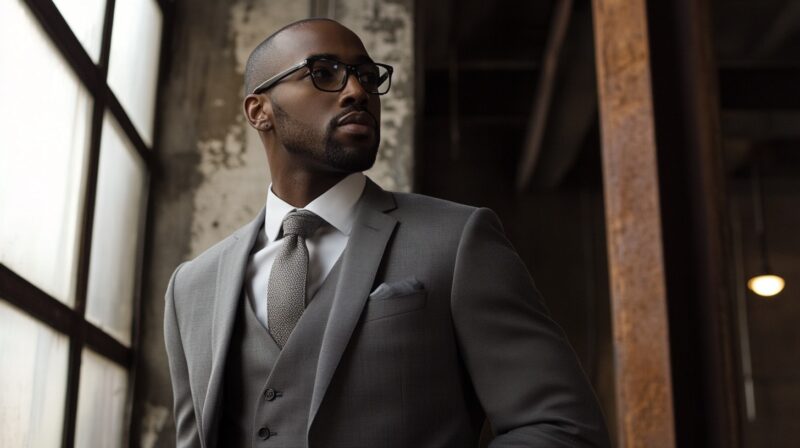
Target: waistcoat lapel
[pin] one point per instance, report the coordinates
(230, 275)
(360, 261)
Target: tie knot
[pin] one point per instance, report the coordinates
(301, 223)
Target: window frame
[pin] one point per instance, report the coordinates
(28, 298)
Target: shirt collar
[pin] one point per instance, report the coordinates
(336, 206)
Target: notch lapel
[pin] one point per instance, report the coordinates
(230, 276)
(360, 262)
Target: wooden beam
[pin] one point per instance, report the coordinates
(544, 93)
(573, 112)
(635, 252)
(783, 27)
(753, 87)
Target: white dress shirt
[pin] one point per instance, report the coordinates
(337, 207)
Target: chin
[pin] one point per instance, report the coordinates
(351, 158)
(353, 163)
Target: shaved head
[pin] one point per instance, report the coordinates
(261, 64)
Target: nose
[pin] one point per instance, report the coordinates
(353, 92)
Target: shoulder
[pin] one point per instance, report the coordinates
(430, 208)
(434, 210)
(204, 266)
(205, 262)
(448, 222)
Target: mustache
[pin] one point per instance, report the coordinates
(334, 122)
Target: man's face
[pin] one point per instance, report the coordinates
(337, 131)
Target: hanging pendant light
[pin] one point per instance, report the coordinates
(766, 283)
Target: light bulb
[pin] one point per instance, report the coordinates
(766, 285)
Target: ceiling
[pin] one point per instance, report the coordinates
(481, 76)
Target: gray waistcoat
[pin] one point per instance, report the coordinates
(267, 392)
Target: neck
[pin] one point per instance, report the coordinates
(299, 189)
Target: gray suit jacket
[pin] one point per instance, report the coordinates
(470, 337)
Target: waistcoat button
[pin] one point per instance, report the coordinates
(269, 394)
(264, 433)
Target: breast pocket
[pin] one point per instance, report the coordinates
(392, 306)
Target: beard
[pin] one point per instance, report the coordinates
(299, 139)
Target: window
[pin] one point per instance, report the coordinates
(78, 87)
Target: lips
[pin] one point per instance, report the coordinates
(357, 118)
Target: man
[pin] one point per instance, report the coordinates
(348, 316)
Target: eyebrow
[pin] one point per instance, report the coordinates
(360, 59)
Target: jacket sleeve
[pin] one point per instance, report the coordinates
(186, 430)
(523, 370)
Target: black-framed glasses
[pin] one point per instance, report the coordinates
(330, 75)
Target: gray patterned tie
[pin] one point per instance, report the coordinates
(286, 293)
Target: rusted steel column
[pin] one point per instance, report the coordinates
(635, 253)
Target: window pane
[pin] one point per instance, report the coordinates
(118, 215)
(133, 64)
(45, 115)
(85, 17)
(33, 380)
(101, 402)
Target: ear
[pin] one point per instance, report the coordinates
(258, 110)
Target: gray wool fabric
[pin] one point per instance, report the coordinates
(256, 366)
(461, 337)
(286, 294)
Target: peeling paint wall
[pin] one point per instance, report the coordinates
(233, 164)
(211, 173)
(387, 30)
(153, 421)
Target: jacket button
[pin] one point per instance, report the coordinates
(269, 394)
(264, 433)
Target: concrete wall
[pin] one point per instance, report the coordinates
(211, 172)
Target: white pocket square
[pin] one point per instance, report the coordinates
(396, 289)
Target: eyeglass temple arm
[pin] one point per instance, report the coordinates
(274, 79)
(388, 73)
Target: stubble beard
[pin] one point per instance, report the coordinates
(299, 140)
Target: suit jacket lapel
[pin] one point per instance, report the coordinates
(360, 261)
(230, 275)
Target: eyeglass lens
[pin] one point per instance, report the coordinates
(331, 76)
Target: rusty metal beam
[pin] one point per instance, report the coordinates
(635, 252)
